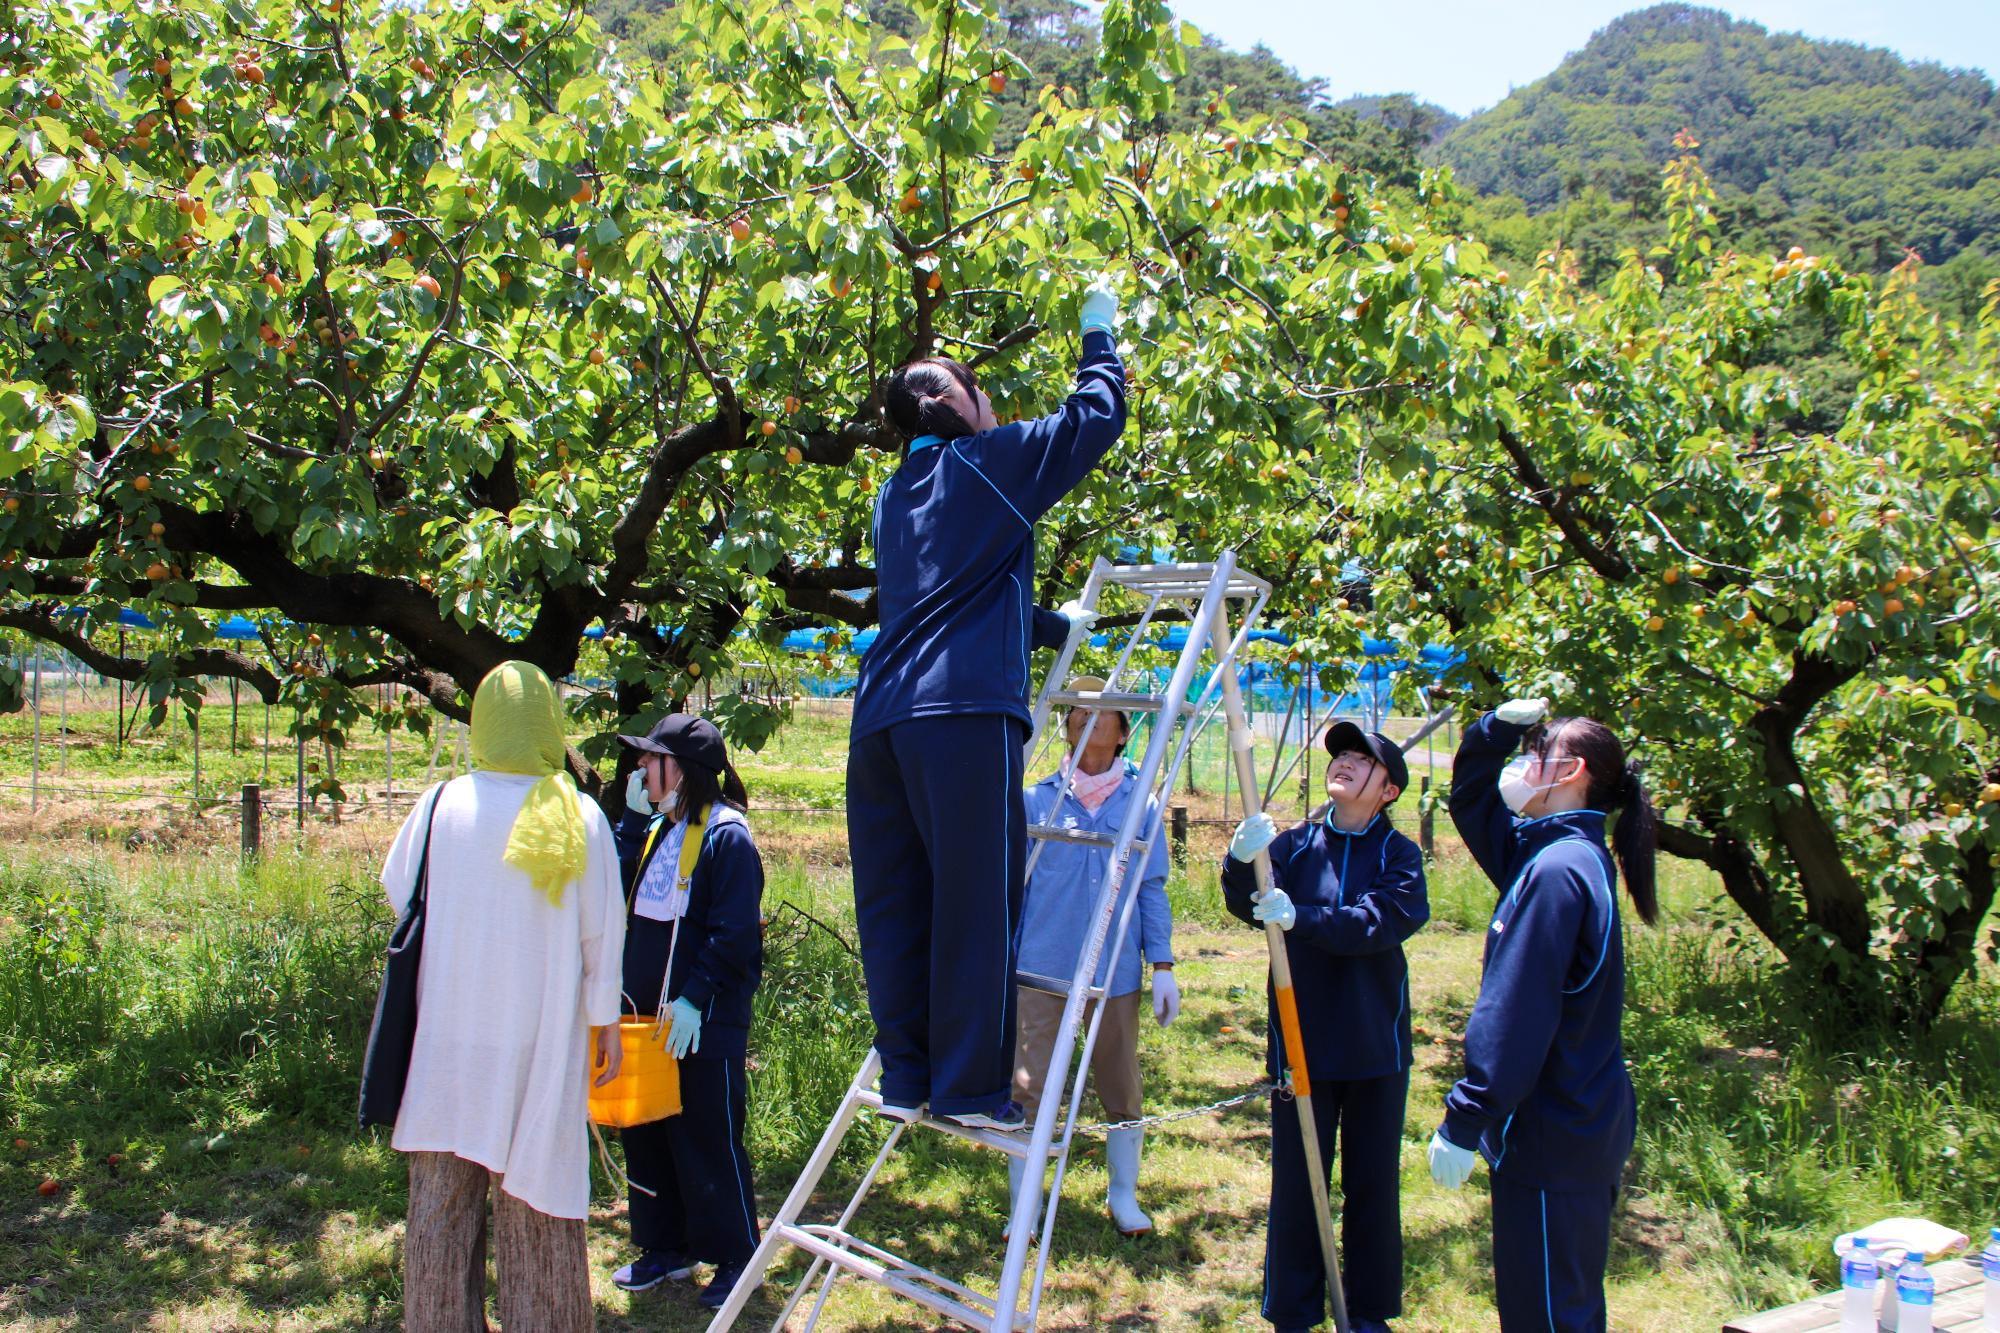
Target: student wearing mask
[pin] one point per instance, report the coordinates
(1546, 1098)
(694, 948)
(935, 820)
(1348, 890)
(1093, 792)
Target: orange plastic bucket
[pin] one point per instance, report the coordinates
(648, 1086)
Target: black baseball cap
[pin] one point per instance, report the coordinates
(1344, 736)
(691, 740)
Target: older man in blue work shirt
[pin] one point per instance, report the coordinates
(1093, 792)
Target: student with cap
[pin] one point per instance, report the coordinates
(1350, 889)
(935, 821)
(1092, 792)
(1546, 1098)
(695, 947)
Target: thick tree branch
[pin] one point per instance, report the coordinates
(1834, 899)
(1555, 503)
(193, 662)
(672, 457)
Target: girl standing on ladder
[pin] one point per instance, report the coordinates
(1351, 889)
(935, 821)
(1546, 1098)
(694, 948)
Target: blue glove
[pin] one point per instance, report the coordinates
(1100, 307)
(1451, 1165)
(1252, 836)
(685, 1035)
(1276, 906)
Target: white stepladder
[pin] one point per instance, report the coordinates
(1204, 593)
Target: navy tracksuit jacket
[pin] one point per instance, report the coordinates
(935, 822)
(1546, 1097)
(1359, 896)
(704, 1204)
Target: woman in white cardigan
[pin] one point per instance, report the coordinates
(517, 992)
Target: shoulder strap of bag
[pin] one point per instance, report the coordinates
(421, 894)
(691, 840)
(653, 832)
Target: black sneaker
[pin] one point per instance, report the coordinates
(1006, 1116)
(652, 1268)
(719, 1286)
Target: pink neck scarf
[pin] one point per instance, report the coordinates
(1093, 792)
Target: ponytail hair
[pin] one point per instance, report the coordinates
(1616, 784)
(916, 399)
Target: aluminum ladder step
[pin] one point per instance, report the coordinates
(1124, 703)
(910, 1281)
(1053, 985)
(1013, 1142)
(1183, 580)
(1054, 833)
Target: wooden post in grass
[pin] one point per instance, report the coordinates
(253, 822)
(1179, 833)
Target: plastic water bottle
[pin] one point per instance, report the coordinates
(1990, 1263)
(1916, 1292)
(1858, 1279)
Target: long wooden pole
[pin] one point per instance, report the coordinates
(1240, 743)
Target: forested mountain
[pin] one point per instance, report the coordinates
(1849, 151)
(1908, 154)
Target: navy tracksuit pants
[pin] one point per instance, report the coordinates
(1367, 1116)
(938, 834)
(704, 1204)
(1549, 1252)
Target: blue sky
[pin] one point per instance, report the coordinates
(1465, 55)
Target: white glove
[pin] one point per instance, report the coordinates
(1275, 906)
(1252, 836)
(1080, 619)
(1100, 307)
(1451, 1165)
(636, 799)
(1522, 712)
(1166, 997)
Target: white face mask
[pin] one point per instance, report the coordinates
(1516, 790)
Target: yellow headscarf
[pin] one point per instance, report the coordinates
(517, 728)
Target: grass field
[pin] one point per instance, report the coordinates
(203, 1028)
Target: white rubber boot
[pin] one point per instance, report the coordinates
(1121, 1156)
(1017, 1170)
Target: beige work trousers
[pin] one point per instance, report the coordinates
(1114, 1065)
(543, 1268)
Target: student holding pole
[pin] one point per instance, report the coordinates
(936, 824)
(1349, 889)
(1546, 1098)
